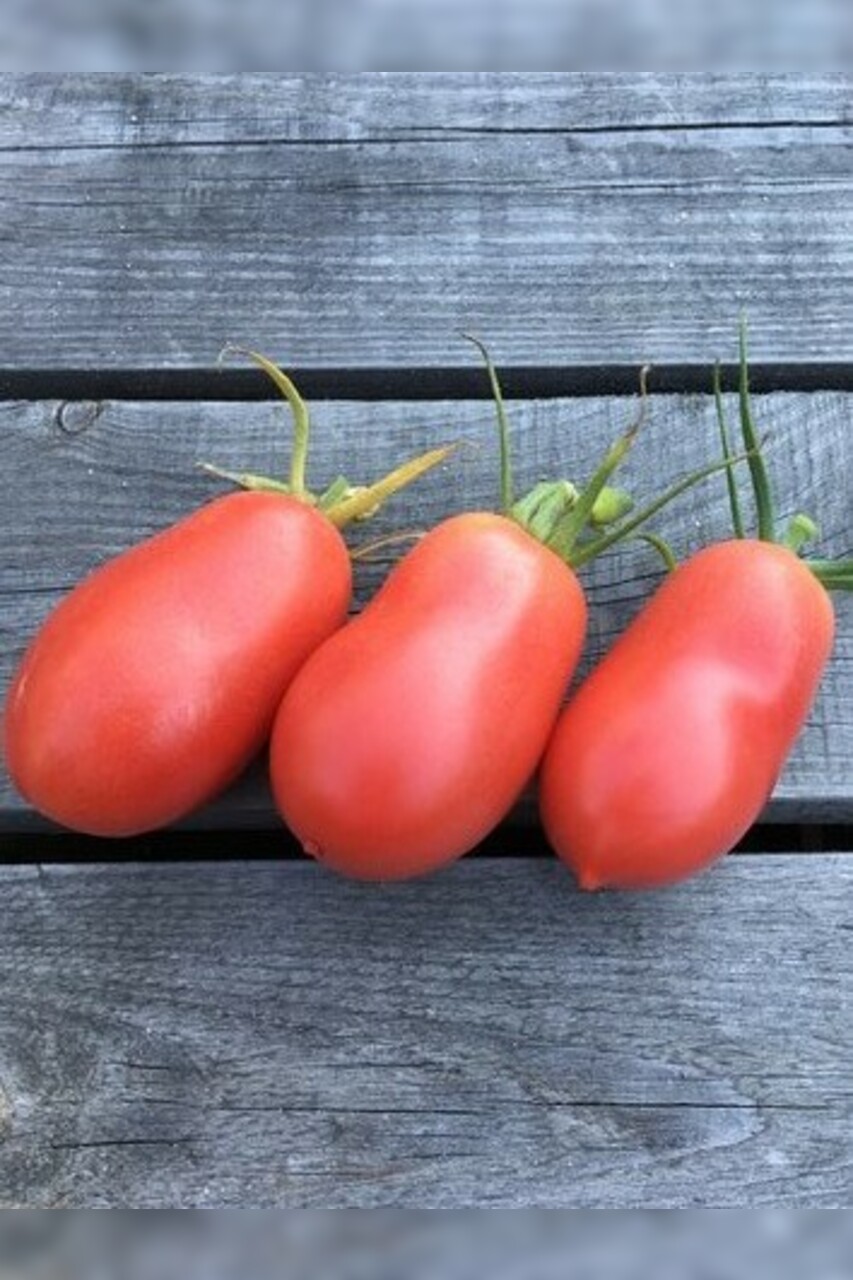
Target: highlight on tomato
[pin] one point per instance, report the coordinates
(669, 750)
(154, 682)
(409, 734)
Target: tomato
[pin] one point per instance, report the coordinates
(407, 736)
(156, 680)
(668, 752)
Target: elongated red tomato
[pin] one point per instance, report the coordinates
(407, 736)
(154, 682)
(670, 749)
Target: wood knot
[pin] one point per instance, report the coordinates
(73, 417)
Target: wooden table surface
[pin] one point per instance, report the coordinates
(206, 1018)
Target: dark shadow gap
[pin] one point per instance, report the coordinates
(521, 382)
(509, 841)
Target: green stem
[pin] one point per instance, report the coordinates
(341, 502)
(570, 528)
(367, 550)
(246, 479)
(364, 501)
(503, 425)
(339, 489)
(757, 469)
(734, 501)
(299, 409)
(568, 531)
(835, 575)
(589, 550)
(662, 547)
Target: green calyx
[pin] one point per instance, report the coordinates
(801, 529)
(551, 506)
(542, 509)
(835, 575)
(556, 512)
(578, 524)
(341, 502)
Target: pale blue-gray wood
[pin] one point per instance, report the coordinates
(252, 1034)
(360, 220)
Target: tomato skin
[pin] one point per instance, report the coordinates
(669, 751)
(408, 735)
(154, 682)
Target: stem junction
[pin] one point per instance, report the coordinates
(569, 520)
(341, 501)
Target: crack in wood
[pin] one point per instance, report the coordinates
(122, 1142)
(421, 135)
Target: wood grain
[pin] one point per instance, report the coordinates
(237, 1033)
(262, 1035)
(83, 481)
(359, 221)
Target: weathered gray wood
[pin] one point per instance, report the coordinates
(170, 110)
(360, 220)
(82, 482)
(268, 1035)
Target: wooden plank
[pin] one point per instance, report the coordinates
(170, 110)
(270, 1035)
(88, 480)
(359, 221)
(163, 109)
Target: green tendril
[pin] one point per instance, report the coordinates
(299, 409)
(661, 546)
(503, 425)
(734, 500)
(758, 471)
(590, 550)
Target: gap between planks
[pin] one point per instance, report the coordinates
(541, 382)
